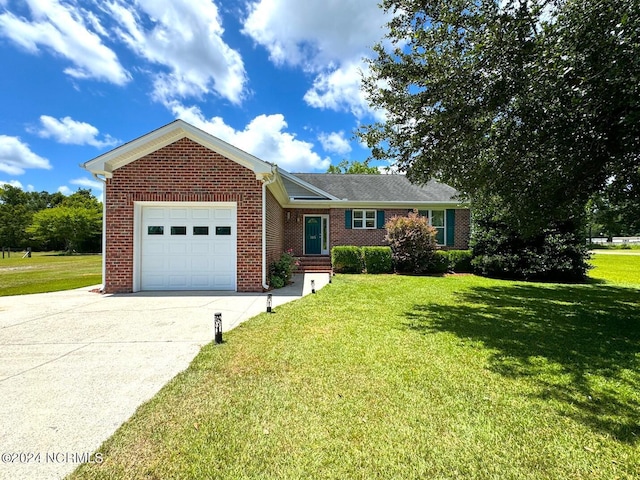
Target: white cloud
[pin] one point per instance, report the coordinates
(327, 37)
(340, 90)
(69, 131)
(315, 33)
(335, 142)
(13, 183)
(94, 185)
(16, 156)
(61, 27)
(97, 187)
(186, 37)
(265, 137)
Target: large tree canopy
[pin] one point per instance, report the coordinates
(536, 103)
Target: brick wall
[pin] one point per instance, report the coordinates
(275, 229)
(462, 230)
(185, 172)
(340, 235)
(294, 228)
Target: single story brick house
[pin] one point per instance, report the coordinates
(186, 211)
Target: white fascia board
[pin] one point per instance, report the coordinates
(373, 205)
(174, 131)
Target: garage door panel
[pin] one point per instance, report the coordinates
(176, 248)
(200, 213)
(152, 213)
(200, 281)
(223, 281)
(197, 260)
(201, 264)
(223, 213)
(222, 265)
(200, 248)
(221, 248)
(154, 282)
(177, 264)
(177, 213)
(154, 249)
(178, 281)
(154, 264)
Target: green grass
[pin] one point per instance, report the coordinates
(48, 272)
(405, 377)
(623, 269)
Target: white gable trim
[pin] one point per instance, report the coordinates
(129, 152)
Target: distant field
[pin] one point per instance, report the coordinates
(618, 267)
(48, 272)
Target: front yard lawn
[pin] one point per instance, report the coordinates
(48, 272)
(405, 377)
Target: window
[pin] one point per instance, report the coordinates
(155, 230)
(437, 220)
(178, 230)
(223, 230)
(201, 230)
(364, 219)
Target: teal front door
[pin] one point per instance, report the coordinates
(312, 235)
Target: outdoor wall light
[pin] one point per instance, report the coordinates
(288, 216)
(217, 322)
(313, 286)
(269, 302)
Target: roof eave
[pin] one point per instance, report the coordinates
(170, 133)
(293, 203)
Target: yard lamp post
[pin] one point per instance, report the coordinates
(269, 302)
(217, 322)
(313, 286)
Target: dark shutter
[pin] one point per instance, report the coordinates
(451, 226)
(347, 219)
(380, 218)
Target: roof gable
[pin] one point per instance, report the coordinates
(106, 163)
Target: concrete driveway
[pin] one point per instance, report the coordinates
(75, 365)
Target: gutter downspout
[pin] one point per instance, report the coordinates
(266, 180)
(104, 230)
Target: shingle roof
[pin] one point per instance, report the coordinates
(378, 188)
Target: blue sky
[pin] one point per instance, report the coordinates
(277, 78)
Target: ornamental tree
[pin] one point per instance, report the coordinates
(533, 102)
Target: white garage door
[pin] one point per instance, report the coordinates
(188, 248)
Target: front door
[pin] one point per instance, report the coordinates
(312, 235)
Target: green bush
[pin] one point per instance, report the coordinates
(377, 259)
(412, 241)
(439, 262)
(280, 272)
(558, 253)
(347, 259)
(276, 282)
(460, 261)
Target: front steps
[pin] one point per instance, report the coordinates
(314, 264)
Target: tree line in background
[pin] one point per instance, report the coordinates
(50, 221)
